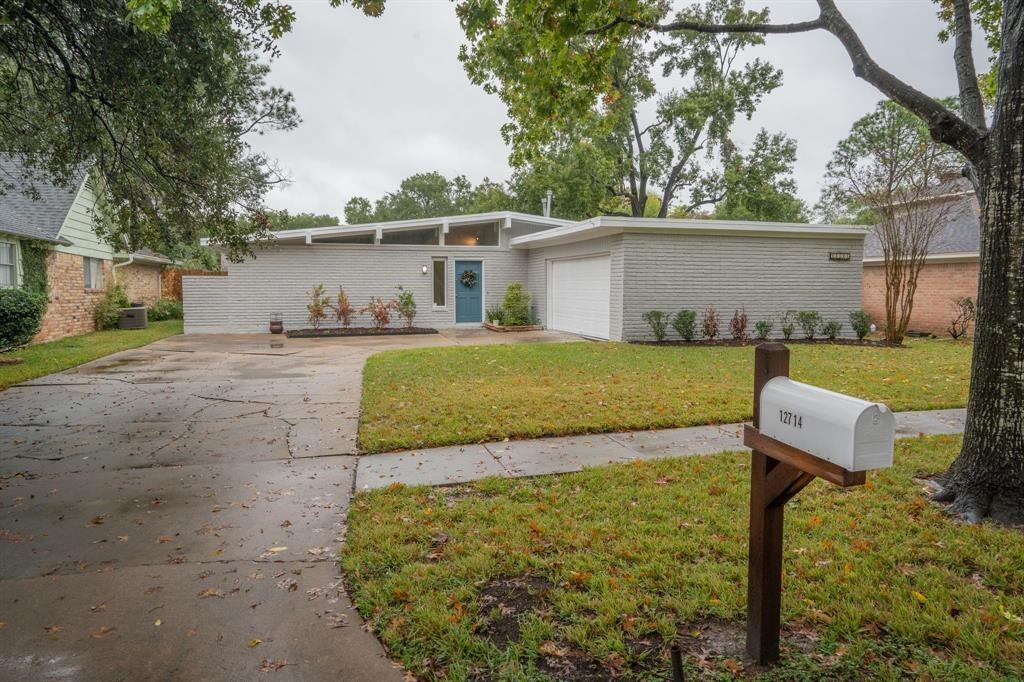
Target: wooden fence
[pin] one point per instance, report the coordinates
(170, 280)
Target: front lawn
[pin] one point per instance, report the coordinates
(56, 356)
(596, 573)
(444, 396)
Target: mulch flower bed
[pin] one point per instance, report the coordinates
(871, 343)
(356, 331)
(510, 328)
(10, 361)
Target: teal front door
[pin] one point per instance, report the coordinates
(469, 291)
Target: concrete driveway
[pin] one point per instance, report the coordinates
(175, 511)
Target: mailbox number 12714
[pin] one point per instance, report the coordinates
(791, 419)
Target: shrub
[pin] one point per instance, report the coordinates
(21, 313)
(709, 323)
(685, 324)
(860, 322)
(406, 306)
(964, 313)
(108, 312)
(656, 320)
(516, 306)
(830, 329)
(380, 311)
(317, 306)
(809, 321)
(496, 315)
(165, 309)
(788, 324)
(763, 328)
(738, 325)
(343, 309)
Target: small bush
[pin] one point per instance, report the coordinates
(964, 313)
(496, 315)
(317, 306)
(657, 322)
(809, 321)
(738, 325)
(685, 324)
(380, 311)
(516, 306)
(860, 323)
(406, 306)
(788, 324)
(108, 312)
(830, 329)
(709, 323)
(165, 309)
(21, 313)
(763, 328)
(343, 309)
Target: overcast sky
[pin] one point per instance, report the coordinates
(384, 98)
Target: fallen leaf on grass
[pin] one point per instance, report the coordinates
(255, 642)
(158, 622)
(96, 521)
(552, 649)
(918, 596)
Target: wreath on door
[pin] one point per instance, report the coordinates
(468, 279)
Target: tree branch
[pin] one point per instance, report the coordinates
(943, 124)
(967, 77)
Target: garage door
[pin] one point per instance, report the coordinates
(580, 295)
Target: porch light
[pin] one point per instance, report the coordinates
(424, 269)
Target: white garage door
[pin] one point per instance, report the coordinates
(580, 295)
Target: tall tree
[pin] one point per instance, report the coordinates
(670, 155)
(283, 220)
(890, 167)
(759, 185)
(569, 49)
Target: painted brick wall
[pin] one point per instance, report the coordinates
(140, 282)
(764, 275)
(937, 285)
(71, 306)
(279, 278)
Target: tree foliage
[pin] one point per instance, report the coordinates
(584, 91)
(283, 220)
(759, 185)
(428, 195)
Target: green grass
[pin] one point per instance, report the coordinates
(879, 583)
(56, 356)
(446, 396)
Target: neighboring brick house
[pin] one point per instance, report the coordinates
(950, 270)
(79, 265)
(140, 275)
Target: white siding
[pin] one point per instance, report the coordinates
(764, 275)
(78, 228)
(279, 279)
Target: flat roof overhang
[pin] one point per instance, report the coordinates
(604, 226)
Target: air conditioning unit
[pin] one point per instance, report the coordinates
(133, 318)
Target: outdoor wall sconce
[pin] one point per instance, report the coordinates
(424, 269)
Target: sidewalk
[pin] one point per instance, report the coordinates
(461, 463)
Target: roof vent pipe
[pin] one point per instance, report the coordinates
(546, 203)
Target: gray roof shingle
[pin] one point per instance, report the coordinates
(35, 217)
(961, 232)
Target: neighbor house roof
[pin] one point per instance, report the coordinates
(32, 207)
(959, 238)
(144, 256)
(602, 226)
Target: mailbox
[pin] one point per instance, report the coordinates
(855, 434)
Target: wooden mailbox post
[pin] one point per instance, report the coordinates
(835, 427)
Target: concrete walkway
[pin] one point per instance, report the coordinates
(458, 464)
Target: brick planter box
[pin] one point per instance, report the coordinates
(520, 328)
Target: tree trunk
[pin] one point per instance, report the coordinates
(987, 478)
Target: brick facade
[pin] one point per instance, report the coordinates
(171, 279)
(71, 306)
(937, 285)
(140, 281)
